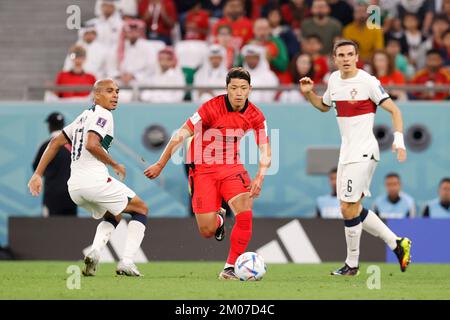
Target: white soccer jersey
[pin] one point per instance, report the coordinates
(355, 101)
(86, 170)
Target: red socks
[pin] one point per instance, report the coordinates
(240, 235)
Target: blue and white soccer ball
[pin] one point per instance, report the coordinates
(250, 266)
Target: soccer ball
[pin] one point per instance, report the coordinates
(250, 266)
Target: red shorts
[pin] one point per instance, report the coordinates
(209, 188)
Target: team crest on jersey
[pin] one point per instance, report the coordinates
(353, 93)
(101, 122)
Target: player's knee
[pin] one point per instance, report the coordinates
(348, 209)
(206, 231)
(242, 203)
(344, 208)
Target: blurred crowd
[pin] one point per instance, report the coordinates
(393, 203)
(174, 43)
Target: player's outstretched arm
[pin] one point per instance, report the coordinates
(35, 183)
(93, 145)
(177, 139)
(306, 87)
(265, 158)
(397, 121)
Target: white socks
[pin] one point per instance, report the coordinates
(353, 230)
(102, 235)
(135, 234)
(373, 225)
(227, 265)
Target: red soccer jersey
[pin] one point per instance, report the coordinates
(218, 131)
(242, 28)
(71, 78)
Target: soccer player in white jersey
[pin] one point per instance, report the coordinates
(355, 95)
(91, 186)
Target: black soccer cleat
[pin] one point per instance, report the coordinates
(346, 271)
(403, 252)
(220, 232)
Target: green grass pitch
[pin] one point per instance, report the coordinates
(198, 280)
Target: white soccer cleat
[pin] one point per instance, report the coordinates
(91, 261)
(127, 269)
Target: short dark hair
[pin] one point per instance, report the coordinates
(238, 73)
(333, 170)
(225, 26)
(392, 175)
(434, 51)
(313, 36)
(444, 180)
(345, 42)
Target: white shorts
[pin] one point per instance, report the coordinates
(113, 197)
(353, 180)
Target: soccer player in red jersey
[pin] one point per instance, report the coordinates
(216, 171)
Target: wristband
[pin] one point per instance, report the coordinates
(398, 140)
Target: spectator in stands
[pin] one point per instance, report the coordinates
(196, 24)
(446, 9)
(423, 9)
(383, 68)
(225, 39)
(127, 8)
(257, 65)
(135, 59)
(76, 75)
(327, 206)
(211, 74)
(311, 45)
(326, 27)
(160, 17)
(413, 35)
(439, 26)
(56, 200)
(433, 74)
(446, 50)
(183, 8)
(294, 12)
(276, 52)
(215, 7)
(341, 10)
(395, 203)
(97, 55)
(301, 66)
(396, 31)
(393, 48)
(284, 32)
(168, 74)
(234, 16)
(439, 207)
(368, 40)
(108, 25)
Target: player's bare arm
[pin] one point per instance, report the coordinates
(93, 145)
(177, 139)
(306, 87)
(265, 156)
(35, 183)
(397, 121)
